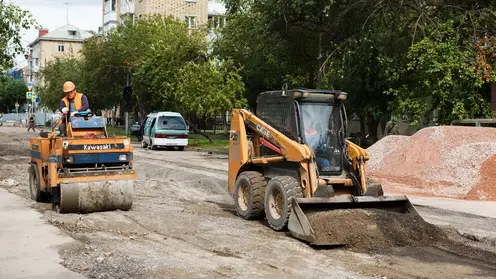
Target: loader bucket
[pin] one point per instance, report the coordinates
(94, 196)
(302, 228)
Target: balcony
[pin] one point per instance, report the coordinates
(127, 6)
(110, 16)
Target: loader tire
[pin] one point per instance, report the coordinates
(281, 191)
(248, 195)
(34, 185)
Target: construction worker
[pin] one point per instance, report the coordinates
(72, 103)
(318, 144)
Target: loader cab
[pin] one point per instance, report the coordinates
(313, 117)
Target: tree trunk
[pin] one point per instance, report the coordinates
(362, 130)
(195, 128)
(383, 126)
(215, 123)
(115, 115)
(373, 125)
(224, 120)
(204, 120)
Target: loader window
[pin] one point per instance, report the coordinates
(171, 123)
(321, 125)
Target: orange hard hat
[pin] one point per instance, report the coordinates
(310, 131)
(69, 86)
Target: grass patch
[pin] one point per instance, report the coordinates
(117, 131)
(221, 142)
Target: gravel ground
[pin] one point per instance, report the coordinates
(182, 225)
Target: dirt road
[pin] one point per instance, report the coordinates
(182, 225)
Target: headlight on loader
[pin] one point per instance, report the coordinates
(69, 159)
(123, 157)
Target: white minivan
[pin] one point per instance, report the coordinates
(165, 129)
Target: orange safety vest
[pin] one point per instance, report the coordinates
(78, 101)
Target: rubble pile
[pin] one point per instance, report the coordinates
(444, 161)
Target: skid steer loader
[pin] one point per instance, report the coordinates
(292, 159)
(85, 171)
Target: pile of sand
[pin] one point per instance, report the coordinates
(446, 161)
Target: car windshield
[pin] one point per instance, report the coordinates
(170, 123)
(321, 124)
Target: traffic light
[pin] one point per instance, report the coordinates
(127, 96)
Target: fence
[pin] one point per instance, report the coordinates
(206, 124)
(40, 117)
(214, 124)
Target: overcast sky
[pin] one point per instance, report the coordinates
(52, 14)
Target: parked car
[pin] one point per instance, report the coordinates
(165, 129)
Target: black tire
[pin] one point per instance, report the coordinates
(249, 194)
(281, 191)
(181, 148)
(143, 144)
(151, 146)
(34, 185)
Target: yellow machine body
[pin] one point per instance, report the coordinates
(85, 171)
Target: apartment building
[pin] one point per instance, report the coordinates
(194, 12)
(49, 45)
(114, 12)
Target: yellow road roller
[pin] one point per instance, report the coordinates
(85, 170)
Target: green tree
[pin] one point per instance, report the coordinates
(209, 88)
(167, 47)
(362, 47)
(54, 75)
(442, 75)
(11, 91)
(157, 53)
(12, 21)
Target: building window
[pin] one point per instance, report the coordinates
(191, 21)
(60, 48)
(113, 5)
(218, 21)
(72, 32)
(107, 6)
(36, 61)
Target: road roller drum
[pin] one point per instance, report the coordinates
(95, 196)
